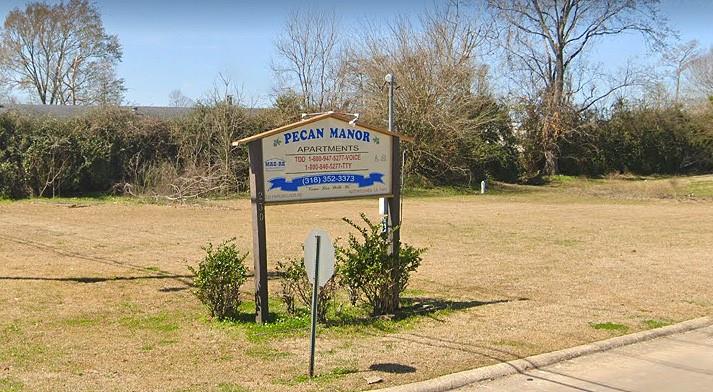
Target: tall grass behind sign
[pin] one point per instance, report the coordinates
(326, 157)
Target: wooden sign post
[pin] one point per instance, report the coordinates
(326, 157)
(257, 201)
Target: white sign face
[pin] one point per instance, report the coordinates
(326, 256)
(326, 159)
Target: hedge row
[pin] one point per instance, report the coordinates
(642, 141)
(115, 150)
(106, 150)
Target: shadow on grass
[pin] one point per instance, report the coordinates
(412, 308)
(96, 279)
(393, 368)
(345, 320)
(98, 259)
(423, 305)
(249, 318)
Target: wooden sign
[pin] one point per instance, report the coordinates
(327, 157)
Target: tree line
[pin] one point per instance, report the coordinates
(503, 90)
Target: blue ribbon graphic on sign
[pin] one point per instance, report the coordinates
(293, 185)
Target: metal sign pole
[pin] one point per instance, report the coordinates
(315, 295)
(384, 203)
(393, 217)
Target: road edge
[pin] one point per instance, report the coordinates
(460, 379)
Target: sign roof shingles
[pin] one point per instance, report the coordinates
(338, 116)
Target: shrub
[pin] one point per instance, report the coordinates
(13, 182)
(297, 290)
(219, 277)
(370, 273)
(115, 149)
(641, 140)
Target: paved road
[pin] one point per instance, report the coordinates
(678, 363)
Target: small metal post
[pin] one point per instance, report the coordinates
(384, 212)
(315, 295)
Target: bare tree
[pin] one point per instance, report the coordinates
(308, 54)
(5, 88)
(547, 40)
(443, 96)
(177, 99)
(60, 54)
(102, 87)
(701, 73)
(210, 164)
(678, 59)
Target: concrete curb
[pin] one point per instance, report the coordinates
(460, 379)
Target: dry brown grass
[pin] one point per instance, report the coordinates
(638, 187)
(96, 298)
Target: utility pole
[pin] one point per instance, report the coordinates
(384, 202)
(393, 203)
(391, 81)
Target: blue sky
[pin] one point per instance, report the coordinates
(180, 44)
